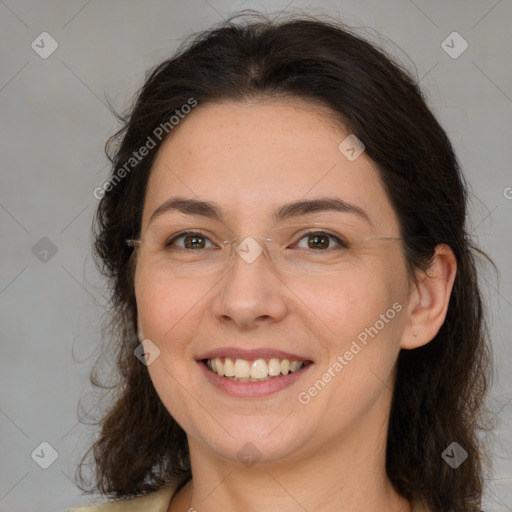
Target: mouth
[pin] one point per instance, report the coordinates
(253, 370)
(255, 373)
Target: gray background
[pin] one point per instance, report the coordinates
(54, 126)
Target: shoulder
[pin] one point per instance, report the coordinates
(419, 506)
(157, 501)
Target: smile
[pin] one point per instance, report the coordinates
(258, 370)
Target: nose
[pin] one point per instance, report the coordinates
(251, 292)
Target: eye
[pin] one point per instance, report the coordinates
(191, 240)
(321, 240)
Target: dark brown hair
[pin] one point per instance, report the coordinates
(440, 387)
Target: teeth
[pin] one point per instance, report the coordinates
(294, 366)
(259, 369)
(229, 368)
(274, 368)
(242, 369)
(252, 371)
(220, 366)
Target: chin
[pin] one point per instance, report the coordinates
(258, 441)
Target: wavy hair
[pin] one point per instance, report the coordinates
(440, 388)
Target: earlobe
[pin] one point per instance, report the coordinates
(429, 299)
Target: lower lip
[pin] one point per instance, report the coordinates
(252, 389)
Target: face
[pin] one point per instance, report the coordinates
(341, 318)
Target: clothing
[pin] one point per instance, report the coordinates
(159, 502)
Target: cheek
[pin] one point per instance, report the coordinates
(168, 312)
(166, 305)
(356, 298)
(363, 318)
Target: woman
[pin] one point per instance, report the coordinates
(295, 294)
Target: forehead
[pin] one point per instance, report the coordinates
(252, 157)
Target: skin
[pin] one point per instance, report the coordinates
(327, 455)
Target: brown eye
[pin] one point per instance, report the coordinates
(191, 240)
(318, 241)
(321, 240)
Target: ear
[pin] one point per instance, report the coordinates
(429, 298)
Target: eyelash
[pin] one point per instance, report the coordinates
(340, 241)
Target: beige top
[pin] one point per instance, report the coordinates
(159, 502)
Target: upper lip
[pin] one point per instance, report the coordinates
(252, 354)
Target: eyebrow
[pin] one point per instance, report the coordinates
(211, 210)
